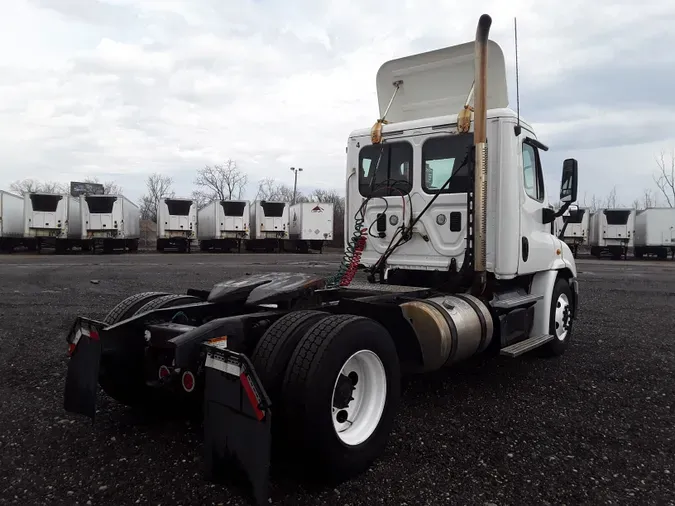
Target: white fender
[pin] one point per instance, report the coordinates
(542, 284)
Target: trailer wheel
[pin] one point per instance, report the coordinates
(340, 395)
(128, 307)
(274, 350)
(561, 319)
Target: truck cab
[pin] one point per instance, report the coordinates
(421, 148)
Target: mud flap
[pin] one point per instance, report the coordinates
(237, 420)
(82, 376)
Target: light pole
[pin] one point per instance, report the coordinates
(295, 184)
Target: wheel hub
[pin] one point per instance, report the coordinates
(344, 390)
(563, 317)
(359, 396)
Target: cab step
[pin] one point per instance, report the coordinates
(513, 300)
(515, 350)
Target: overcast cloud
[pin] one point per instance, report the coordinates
(122, 88)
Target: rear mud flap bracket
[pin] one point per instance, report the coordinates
(237, 421)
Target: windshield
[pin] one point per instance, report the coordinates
(442, 159)
(394, 170)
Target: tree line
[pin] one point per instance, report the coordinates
(227, 181)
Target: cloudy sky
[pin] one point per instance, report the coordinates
(122, 88)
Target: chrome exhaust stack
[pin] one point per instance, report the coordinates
(481, 156)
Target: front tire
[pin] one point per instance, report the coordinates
(561, 319)
(340, 395)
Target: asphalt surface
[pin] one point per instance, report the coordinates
(596, 426)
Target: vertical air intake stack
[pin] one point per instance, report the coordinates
(480, 141)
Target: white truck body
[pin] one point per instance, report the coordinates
(45, 215)
(577, 228)
(655, 227)
(224, 219)
(612, 227)
(423, 146)
(311, 221)
(654, 232)
(269, 220)
(109, 217)
(11, 216)
(176, 218)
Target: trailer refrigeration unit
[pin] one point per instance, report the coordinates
(611, 231)
(310, 366)
(46, 219)
(269, 225)
(654, 232)
(310, 226)
(11, 221)
(176, 224)
(110, 222)
(575, 233)
(223, 225)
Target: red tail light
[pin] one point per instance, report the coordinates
(188, 381)
(163, 372)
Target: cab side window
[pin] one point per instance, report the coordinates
(533, 178)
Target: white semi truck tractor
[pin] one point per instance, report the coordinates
(446, 214)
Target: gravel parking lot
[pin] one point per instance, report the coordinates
(595, 426)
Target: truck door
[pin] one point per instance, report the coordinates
(537, 244)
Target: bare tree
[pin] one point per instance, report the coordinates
(158, 187)
(109, 187)
(30, 185)
(611, 201)
(269, 189)
(665, 176)
(266, 189)
(593, 205)
(221, 182)
(200, 199)
(648, 199)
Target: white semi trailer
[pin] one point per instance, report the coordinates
(269, 225)
(654, 232)
(223, 225)
(310, 226)
(110, 222)
(45, 218)
(11, 221)
(575, 232)
(309, 367)
(611, 231)
(176, 223)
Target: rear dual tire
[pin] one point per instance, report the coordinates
(339, 393)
